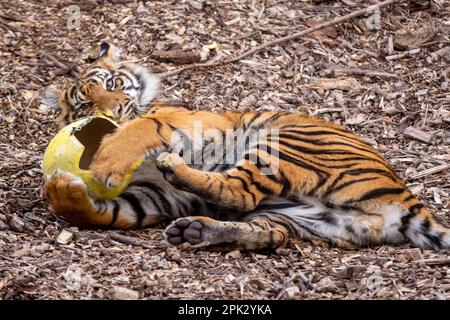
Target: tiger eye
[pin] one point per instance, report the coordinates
(119, 83)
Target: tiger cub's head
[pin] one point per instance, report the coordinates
(119, 90)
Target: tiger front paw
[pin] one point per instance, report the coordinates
(170, 164)
(114, 159)
(68, 196)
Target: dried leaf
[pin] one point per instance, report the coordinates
(345, 84)
(357, 119)
(327, 34)
(206, 50)
(406, 40)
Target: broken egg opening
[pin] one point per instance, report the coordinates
(72, 150)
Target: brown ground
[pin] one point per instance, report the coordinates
(34, 266)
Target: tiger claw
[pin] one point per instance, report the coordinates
(164, 166)
(109, 182)
(167, 161)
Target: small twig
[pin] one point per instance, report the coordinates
(129, 240)
(403, 54)
(434, 262)
(430, 171)
(419, 135)
(294, 36)
(305, 280)
(57, 62)
(361, 72)
(425, 116)
(10, 27)
(18, 188)
(10, 18)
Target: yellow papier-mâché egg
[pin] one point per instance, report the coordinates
(72, 149)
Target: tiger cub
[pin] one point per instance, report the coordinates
(235, 180)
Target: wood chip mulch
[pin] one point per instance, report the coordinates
(388, 83)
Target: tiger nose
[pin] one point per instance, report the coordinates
(120, 108)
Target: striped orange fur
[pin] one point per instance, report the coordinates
(304, 178)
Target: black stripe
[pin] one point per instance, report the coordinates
(158, 126)
(197, 206)
(415, 208)
(220, 189)
(136, 205)
(72, 93)
(313, 151)
(331, 143)
(259, 224)
(281, 205)
(344, 166)
(347, 208)
(321, 132)
(405, 222)
(337, 159)
(287, 185)
(302, 223)
(140, 84)
(376, 193)
(425, 226)
(284, 156)
(382, 172)
(347, 134)
(250, 122)
(271, 242)
(245, 186)
(205, 191)
(103, 206)
(271, 119)
(345, 185)
(410, 197)
(115, 212)
(328, 217)
(356, 172)
(349, 138)
(156, 189)
(66, 118)
(251, 227)
(435, 240)
(317, 126)
(149, 194)
(349, 228)
(287, 223)
(92, 74)
(244, 183)
(260, 164)
(262, 189)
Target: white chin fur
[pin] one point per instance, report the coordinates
(151, 84)
(52, 98)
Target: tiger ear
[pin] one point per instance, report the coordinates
(109, 53)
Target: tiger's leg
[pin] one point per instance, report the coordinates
(256, 231)
(69, 198)
(146, 137)
(238, 188)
